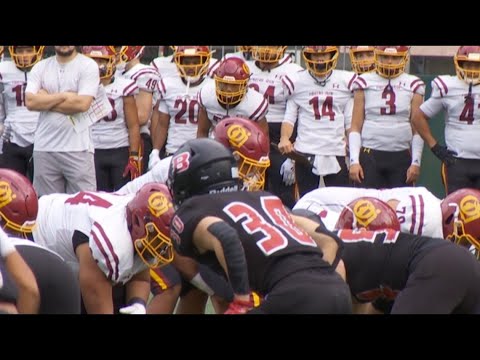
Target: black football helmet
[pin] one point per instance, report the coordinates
(202, 166)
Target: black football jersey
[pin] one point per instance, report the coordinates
(274, 246)
(378, 263)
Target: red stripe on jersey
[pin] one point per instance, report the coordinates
(287, 59)
(212, 68)
(289, 84)
(110, 247)
(257, 113)
(444, 85)
(199, 97)
(162, 85)
(439, 88)
(351, 82)
(414, 82)
(130, 89)
(104, 253)
(422, 214)
(143, 72)
(418, 86)
(414, 214)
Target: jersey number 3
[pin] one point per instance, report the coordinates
(253, 222)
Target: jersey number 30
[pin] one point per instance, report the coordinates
(253, 222)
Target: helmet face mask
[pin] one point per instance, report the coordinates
(461, 218)
(467, 64)
(148, 216)
(25, 57)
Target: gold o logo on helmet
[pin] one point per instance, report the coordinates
(237, 135)
(365, 212)
(6, 194)
(246, 68)
(469, 208)
(158, 204)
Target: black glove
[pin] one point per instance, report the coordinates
(446, 156)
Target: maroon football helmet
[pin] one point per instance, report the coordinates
(18, 203)
(148, 216)
(249, 145)
(102, 52)
(231, 78)
(369, 213)
(461, 217)
(466, 62)
(387, 68)
(128, 53)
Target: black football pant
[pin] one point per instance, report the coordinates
(384, 169)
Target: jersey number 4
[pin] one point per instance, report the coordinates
(273, 238)
(88, 198)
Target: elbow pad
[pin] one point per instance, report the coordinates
(234, 256)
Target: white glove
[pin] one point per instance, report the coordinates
(6, 245)
(153, 159)
(134, 309)
(288, 172)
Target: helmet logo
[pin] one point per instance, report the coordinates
(158, 204)
(6, 194)
(181, 162)
(365, 212)
(245, 68)
(237, 135)
(469, 209)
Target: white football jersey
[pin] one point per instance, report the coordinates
(387, 110)
(158, 174)
(329, 202)
(147, 79)
(269, 83)
(180, 102)
(462, 121)
(111, 132)
(319, 110)
(20, 123)
(418, 210)
(101, 216)
(253, 105)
